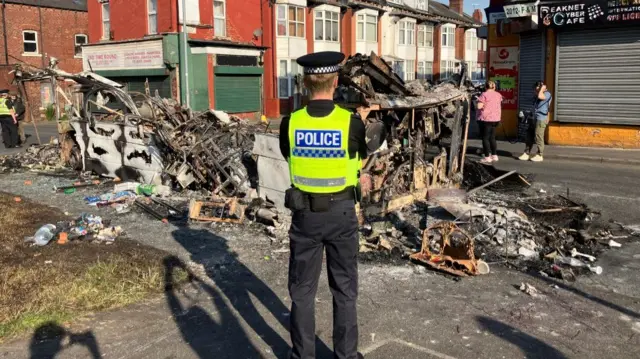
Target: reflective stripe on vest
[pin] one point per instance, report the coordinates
(4, 109)
(319, 158)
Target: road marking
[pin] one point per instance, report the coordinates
(380, 344)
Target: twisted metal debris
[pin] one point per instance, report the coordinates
(148, 139)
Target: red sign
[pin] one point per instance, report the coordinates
(503, 70)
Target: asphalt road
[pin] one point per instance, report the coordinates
(613, 189)
(46, 131)
(239, 309)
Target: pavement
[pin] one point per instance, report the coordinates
(46, 131)
(238, 307)
(587, 154)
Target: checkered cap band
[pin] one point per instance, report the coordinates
(321, 70)
(318, 153)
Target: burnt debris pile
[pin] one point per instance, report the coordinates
(141, 137)
(422, 200)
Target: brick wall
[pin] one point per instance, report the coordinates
(437, 40)
(460, 43)
(57, 39)
(129, 19)
(347, 33)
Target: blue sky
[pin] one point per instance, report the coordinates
(469, 5)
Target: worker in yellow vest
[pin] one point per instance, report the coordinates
(8, 121)
(324, 145)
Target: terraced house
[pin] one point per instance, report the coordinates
(240, 56)
(33, 32)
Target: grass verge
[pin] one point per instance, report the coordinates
(57, 283)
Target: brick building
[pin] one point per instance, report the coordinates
(134, 41)
(241, 55)
(33, 31)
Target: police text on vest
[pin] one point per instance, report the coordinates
(318, 138)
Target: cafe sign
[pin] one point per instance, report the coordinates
(591, 14)
(521, 10)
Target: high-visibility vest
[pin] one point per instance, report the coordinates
(4, 109)
(319, 156)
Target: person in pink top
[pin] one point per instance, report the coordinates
(489, 116)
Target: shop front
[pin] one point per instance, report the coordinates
(596, 72)
(134, 64)
(517, 50)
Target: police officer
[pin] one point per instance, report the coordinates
(8, 121)
(324, 145)
(19, 110)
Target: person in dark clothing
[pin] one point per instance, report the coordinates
(324, 145)
(19, 109)
(8, 121)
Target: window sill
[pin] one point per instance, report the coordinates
(31, 54)
(291, 37)
(77, 57)
(327, 41)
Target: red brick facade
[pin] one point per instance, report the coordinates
(437, 55)
(244, 22)
(55, 37)
(482, 54)
(129, 20)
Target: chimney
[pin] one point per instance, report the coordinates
(477, 15)
(456, 5)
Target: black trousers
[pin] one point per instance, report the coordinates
(9, 131)
(310, 234)
(488, 132)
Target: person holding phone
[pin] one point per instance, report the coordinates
(541, 103)
(489, 116)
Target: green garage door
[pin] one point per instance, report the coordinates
(237, 93)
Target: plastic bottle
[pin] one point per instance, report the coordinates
(44, 234)
(146, 189)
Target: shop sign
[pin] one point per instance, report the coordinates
(521, 10)
(595, 13)
(494, 17)
(503, 70)
(135, 55)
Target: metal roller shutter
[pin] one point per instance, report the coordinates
(531, 67)
(237, 93)
(598, 76)
(136, 84)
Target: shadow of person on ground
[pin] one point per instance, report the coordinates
(240, 285)
(204, 334)
(49, 340)
(532, 347)
(586, 295)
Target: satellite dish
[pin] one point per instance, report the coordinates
(257, 32)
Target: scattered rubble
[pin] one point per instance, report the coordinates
(176, 164)
(87, 227)
(447, 248)
(529, 289)
(45, 157)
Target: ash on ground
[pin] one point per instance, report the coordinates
(510, 223)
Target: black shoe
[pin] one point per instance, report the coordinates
(360, 356)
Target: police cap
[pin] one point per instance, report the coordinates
(325, 62)
(4, 91)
